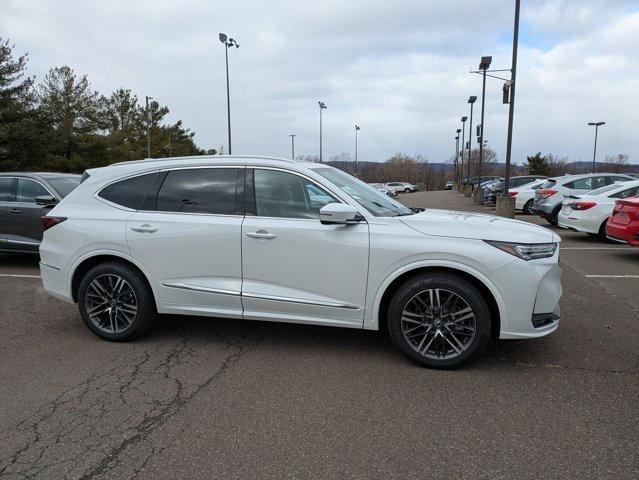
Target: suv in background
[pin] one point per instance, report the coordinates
(22, 199)
(402, 187)
(550, 195)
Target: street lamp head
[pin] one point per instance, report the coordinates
(472, 99)
(485, 63)
(458, 130)
(464, 118)
(596, 124)
(223, 37)
(233, 43)
(322, 105)
(357, 127)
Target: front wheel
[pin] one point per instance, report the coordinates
(116, 302)
(439, 320)
(407, 190)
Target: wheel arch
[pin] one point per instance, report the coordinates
(481, 282)
(85, 264)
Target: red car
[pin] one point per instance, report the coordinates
(623, 224)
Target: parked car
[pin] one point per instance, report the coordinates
(391, 192)
(623, 224)
(550, 195)
(23, 196)
(403, 187)
(448, 185)
(484, 178)
(525, 196)
(589, 213)
(237, 237)
(485, 186)
(513, 182)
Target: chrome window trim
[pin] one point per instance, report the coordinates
(277, 298)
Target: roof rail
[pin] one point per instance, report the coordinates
(203, 157)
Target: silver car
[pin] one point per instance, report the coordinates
(550, 195)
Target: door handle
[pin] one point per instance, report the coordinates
(261, 234)
(14, 210)
(146, 228)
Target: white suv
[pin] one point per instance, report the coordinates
(273, 239)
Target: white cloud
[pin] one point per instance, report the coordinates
(398, 69)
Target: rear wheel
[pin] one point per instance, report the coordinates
(528, 207)
(602, 231)
(552, 218)
(116, 302)
(407, 190)
(439, 320)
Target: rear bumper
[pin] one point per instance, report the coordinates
(623, 233)
(54, 282)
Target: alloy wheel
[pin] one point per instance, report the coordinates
(438, 324)
(110, 303)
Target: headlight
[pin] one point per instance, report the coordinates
(526, 251)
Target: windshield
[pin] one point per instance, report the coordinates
(371, 199)
(64, 185)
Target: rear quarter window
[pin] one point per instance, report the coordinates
(130, 192)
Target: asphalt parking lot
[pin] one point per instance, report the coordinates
(211, 398)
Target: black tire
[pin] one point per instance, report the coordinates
(602, 232)
(407, 190)
(528, 207)
(552, 218)
(136, 293)
(449, 284)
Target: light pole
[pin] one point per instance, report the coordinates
(292, 135)
(228, 43)
(511, 106)
(594, 153)
(483, 65)
(322, 106)
(148, 127)
(356, 169)
(472, 99)
(461, 170)
(457, 153)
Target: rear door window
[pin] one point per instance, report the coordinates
(130, 192)
(6, 189)
(580, 184)
(199, 190)
(27, 190)
(630, 192)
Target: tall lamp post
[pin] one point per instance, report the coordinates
(458, 131)
(483, 66)
(292, 135)
(148, 127)
(594, 153)
(461, 169)
(356, 169)
(472, 99)
(228, 43)
(322, 106)
(511, 106)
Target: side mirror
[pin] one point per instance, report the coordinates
(339, 214)
(45, 200)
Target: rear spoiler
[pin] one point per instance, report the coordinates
(577, 197)
(87, 173)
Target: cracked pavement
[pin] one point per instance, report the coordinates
(214, 398)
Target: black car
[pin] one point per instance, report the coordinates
(513, 182)
(23, 196)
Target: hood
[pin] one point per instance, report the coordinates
(480, 226)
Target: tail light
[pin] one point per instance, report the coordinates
(48, 222)
(546, 192)
(582, 205)
(512, 194)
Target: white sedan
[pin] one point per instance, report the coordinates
(254, 238)
(525, 195)
(589, 213)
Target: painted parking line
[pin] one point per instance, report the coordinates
(16, 275)
(612, 276)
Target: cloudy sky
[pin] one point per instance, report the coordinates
(398, 69)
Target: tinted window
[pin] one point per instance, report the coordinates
(581, 184)
(27, 190)
(130, 192)
(631, 192)
(199, 190)
(548, 183)
(6, 185)
(64, 185)
(281, 194)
